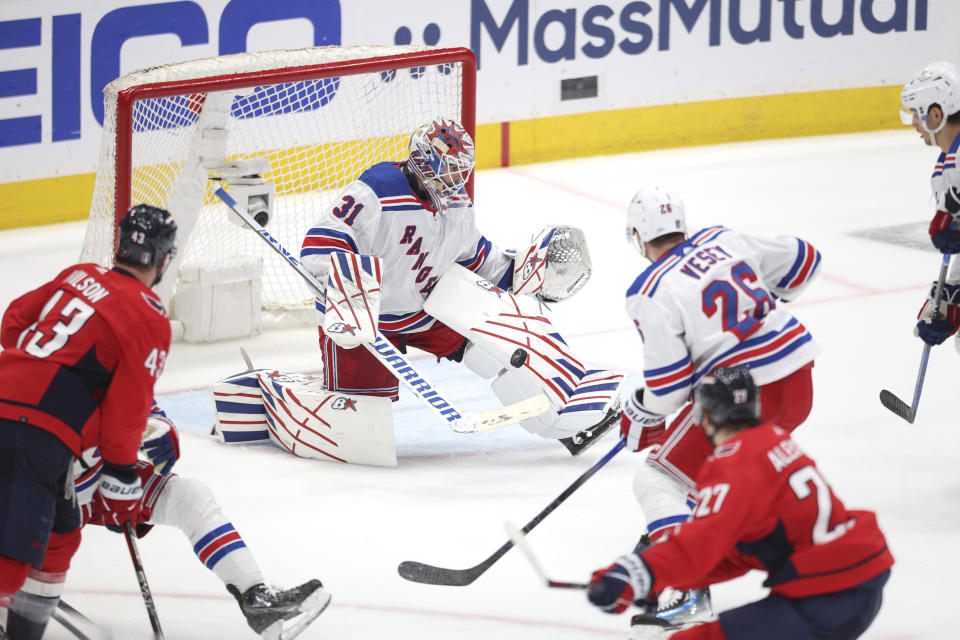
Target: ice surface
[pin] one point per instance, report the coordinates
(447, 501)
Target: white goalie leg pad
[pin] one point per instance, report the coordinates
(189, 505)
(312, 422)
(664, 503)
(497, 324)
(238, 409)
(353, 299)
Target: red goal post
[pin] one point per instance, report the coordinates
(319, 116)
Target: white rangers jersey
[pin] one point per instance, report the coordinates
(379, 214)
(945, 182)
(716, 300)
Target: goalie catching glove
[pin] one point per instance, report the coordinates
(613, 589)
(554, 267)
(934, 330)
(640, 426)
(353, 299)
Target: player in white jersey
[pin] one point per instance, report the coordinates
(709, 299)
(419, 221)
(930, 103)
(382, 249)
(189, 505)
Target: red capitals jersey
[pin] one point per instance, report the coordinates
(81, 355)
(764, 505)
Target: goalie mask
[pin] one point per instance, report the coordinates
(654, 212)
(147, 237)
(442, 156)
(937, 84)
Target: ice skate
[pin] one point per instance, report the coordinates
(679, 610)
(579, 443)
(267, 609)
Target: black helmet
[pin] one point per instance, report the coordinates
(728, 394)
(147, 236)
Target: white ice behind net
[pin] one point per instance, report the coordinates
(318, 135)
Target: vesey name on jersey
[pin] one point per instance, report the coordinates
(87, 286)
(701, 261)
(785, 452)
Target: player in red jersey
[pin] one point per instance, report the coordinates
(762, 504)
(79, 361)
(189, 505)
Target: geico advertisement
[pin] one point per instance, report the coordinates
(536, 57)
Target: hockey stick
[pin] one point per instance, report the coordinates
(520, 541)
(142, 579)
(60, 615)
(892, 402)
(427, 574)
(400, 366)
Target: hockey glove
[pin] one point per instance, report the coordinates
(640, 426)
(934, 330)
(945, 233)
(117, 499)
(613, 589)
(161, 444)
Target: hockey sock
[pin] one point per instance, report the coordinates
(32, 607)
(189, 505)
(664, 503)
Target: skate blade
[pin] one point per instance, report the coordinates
(310, 610)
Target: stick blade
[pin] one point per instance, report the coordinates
(897, 406)
(428, 574)
(502, 417)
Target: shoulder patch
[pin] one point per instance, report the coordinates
(154, 303)
(726, 450)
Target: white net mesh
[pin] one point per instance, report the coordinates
(318, 133)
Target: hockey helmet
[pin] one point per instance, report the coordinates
(654, 212)
(727, 394)
(147, 236)
(442, 156)
(936, 84)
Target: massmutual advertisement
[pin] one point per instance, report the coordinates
(553, 75)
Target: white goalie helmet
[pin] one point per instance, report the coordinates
(442, 155)
(654, 212)
(937, 83)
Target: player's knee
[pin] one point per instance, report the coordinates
(60, 551)
(664, 503)
(183, 503)
(13, 573)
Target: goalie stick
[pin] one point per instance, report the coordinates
(428, 574)
(142, 579)
(892, 402)
(520, 541)
(400, 366)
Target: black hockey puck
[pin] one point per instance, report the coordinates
(518, 358)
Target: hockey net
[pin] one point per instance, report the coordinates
(320, 116)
